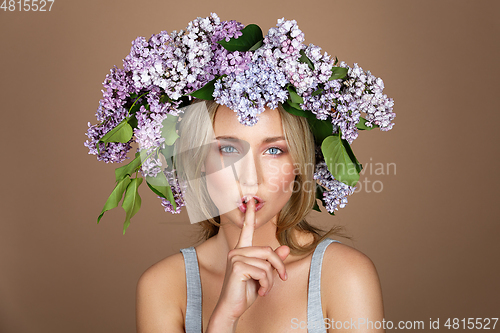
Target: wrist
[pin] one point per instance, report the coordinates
(220, 322)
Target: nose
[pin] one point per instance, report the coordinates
(247, 174)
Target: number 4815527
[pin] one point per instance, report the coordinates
(27, 5)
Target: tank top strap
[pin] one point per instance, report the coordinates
(193, 318)
(315, 318)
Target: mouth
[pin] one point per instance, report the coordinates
(242, 204)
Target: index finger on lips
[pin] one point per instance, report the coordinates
(246, 235)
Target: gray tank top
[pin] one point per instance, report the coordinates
(193, 318)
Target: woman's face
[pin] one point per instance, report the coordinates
(249, 160)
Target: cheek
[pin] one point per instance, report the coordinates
(221, 186)
(219, 180)
(280, 176)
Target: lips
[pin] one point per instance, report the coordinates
(259, 203)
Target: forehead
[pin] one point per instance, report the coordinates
(226, 123)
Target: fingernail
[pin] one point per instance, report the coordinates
(286, 276)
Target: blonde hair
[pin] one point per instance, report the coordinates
(300, 142)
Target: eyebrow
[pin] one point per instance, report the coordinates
(266, 140)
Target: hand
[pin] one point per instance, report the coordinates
(249, 270)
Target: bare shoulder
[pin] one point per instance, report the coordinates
(161, 296)
(351, 284)
(347, 263)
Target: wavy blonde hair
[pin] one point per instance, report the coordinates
(292, 216)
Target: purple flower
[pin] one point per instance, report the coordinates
(176, 191)
(344, 100)
(227, 30)
(261, 85)
(168, 66)
(337, 192)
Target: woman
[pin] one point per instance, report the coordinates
(249, 164)
(250, 282)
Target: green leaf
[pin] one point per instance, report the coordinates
(293, 105)
(206, 91)
(134, 109)
(256, 46)
(128, 169)
(362, 125)
(185, 100)
(303, 58)
(252, 35)
(294, 97)
(338, 73)
(168, 130)
(317, 92)
(319, 195)
(316, 207)
(319, 191)
(320, 128)
(115, 197)
(121, 133)
(168, 153)
(353, 158)
(132, 201)
(160, 186)
(297, 112)
(133, 121)
(338, 160)
(164, 99)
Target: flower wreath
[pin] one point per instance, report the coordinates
(236, 66)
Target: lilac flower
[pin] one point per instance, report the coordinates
(174, 62)
(344, 100)
(227, 30)
(262, 84)
(168, 66)
(285, 41)
(198, 49)
(224, 62)
(337, 192)
(149, 138)
(322, 105)
(176, 191)
(149, 131)
(114, 152)
(322, 64)
(117, 86)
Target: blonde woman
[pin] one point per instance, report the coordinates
(262, 266)
(268, 134)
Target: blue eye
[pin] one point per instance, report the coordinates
(233, 150)
(275, 151)
(228, 149)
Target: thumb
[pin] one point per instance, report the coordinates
(283, 251)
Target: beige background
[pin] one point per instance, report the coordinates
(432, 231)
